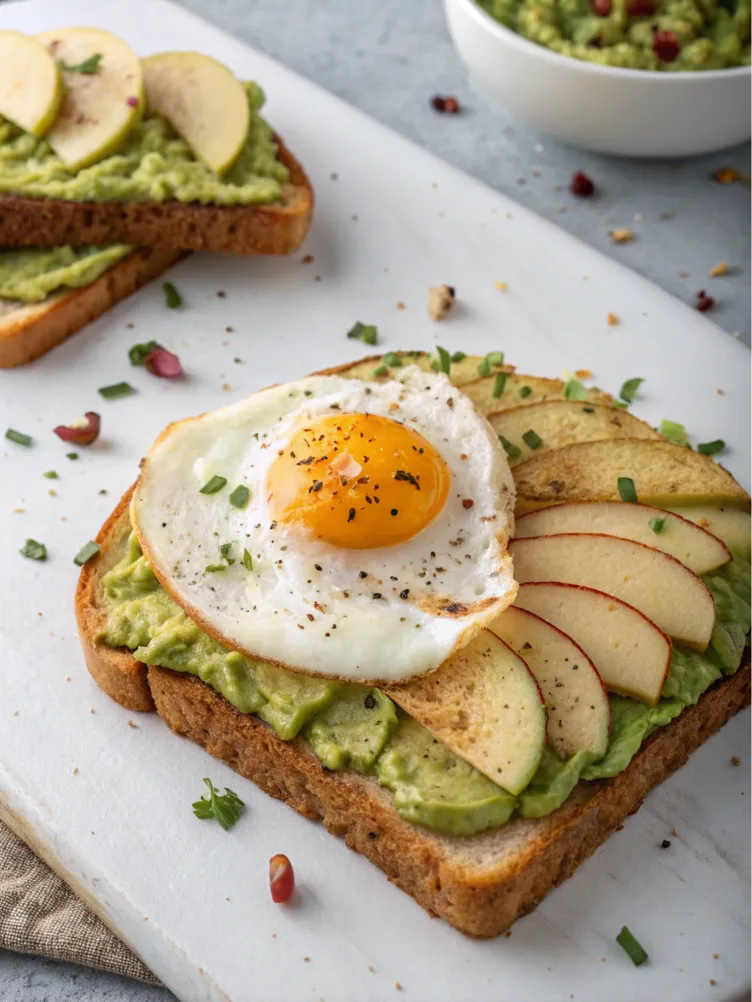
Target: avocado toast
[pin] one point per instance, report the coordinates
(464, 847)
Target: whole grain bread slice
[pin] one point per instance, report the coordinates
(28, 331)
(277, 228)
(480, 884)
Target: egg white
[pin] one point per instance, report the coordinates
(308, 605)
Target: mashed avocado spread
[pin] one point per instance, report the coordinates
(30, 274)
(667, 35)
(153, 165)
(357, 727)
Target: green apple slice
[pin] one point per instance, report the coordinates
(31, 87)
(666, 591)
(484, 705)
(579, 713)
(695, 547)
(103, 94)
(203, 102)
(729, 524)
(520, 390)
(631, 654)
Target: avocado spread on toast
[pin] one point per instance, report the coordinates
(152, 165)
(30, 274)
(357, 727)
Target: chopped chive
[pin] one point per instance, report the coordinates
(513, 451)
(224, 551)
(711, 448)
(116, 390)
(574, 390)
(673, 432)
(239, 497)
(71, 455)
(87, 551)
(382, 370)
(484, 368)
(214, 568)
(172, 296)
(18, 437)
(90, 65)
(138, 352)
(247, 560)
(495, 358)
(445, 361)
(367, 333)
(392, 359)
(626, 489)
(51, 475)
(499, 383)
(525, 391)
(629, 389)
(532, 439)
(212, 486)
(657, 525)
(459, 356)
(631, 947)
(33, 550)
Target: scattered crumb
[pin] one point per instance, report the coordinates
(501, 286)
(715, 956)
(718, 269)
(221, 294)
(371, 968)
(735, 760)
(67, 678)
(15, 713)
(317, 278)
(703, 522)
(401, 305)
(146, 918)
(307, 960)
(665, 844)
(675, 833)
(720, 392)
(508, 933)
(52, 493)
(92, 710)
(227, 899)
(238, 361)
(728, 175)
(622, 236)
(130, 326)
(334, 176)
(308, 258)
(440, 301)
(712, 981)
(75, 773)
(583, 373)
(19, 511)
(398, 986)
(274, 935)
(226, 387)
(230, 330)
(612, 320)
(132, 725)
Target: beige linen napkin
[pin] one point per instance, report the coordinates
(40, 914)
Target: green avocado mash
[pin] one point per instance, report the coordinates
(30, 274)
(666, 35)
(152, 165)
(357, 727)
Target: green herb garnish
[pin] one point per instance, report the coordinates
(382, 370)
(711, 448)
(214, 568)
(51, 475)
(239, 497)
(674, 432)
(445, 361)
(225, 807)
(513, 451)
(626, 488)
(18, 437)
(574, 390)
(33, 550)
(90, 65)
(224, 551)
(87, 551)
(629, 389)
(138, 352)
(631, 947)
(212, 486)
(532, 439)
(172, 296)
(484, 368)
(116, 390)
(620, 404)
(657, 525)
(459, 356)
(367, 333)
(247, 560)
(392, 359)
(525, 391)
(71, 455)
(495, 358)
(499, 383)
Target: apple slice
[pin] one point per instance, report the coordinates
(31, 87)
(485, 706)
(632, 655)
(202, 101)
(696, 548)
(664, 475)
(103, 96)
(579, 713)
(666, 591)
(729, 524)
(562, 422)
(485, 392)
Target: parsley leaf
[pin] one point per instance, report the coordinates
(225, 808)
(445, 361)
(34, 550)
(629, 389)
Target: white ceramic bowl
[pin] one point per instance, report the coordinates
(636, 113)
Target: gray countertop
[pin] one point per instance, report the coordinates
(389, 58)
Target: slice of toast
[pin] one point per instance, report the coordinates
(277, 228)
(28, 330)
(480, 884)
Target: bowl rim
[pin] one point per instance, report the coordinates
(507, 36)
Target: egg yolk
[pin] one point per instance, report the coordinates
(358, 481)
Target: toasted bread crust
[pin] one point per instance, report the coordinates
(480, 892)
(240, 229)
(32, 330)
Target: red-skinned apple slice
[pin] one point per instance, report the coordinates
(485, 705)
(661, 587)
(579, 713)
(631, 654)
(729, 524)
(695, 547)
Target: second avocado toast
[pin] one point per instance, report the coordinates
(406, 765)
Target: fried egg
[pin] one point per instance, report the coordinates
(335, 527)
